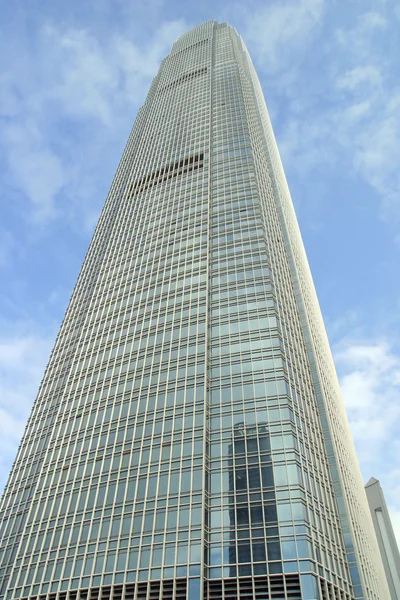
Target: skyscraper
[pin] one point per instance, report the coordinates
(385, 536)
(189, 439)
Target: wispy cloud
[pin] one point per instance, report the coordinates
(350, 118)
(22, 362)
(278, 31)
(36, 169)
(358, 76)
(69, 93)
(97, 78)
(64, 85)
(370, 382)
(356, 38)
(371, 117)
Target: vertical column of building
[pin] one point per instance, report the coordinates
(171, 544)
(189, 427)
(320, 541)
(42, 438)
(362, 553)
(116, 494)
(246, 359)
(337, 444)
(47, 459)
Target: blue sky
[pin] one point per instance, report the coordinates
(72, 77)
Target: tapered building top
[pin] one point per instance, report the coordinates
(189, 439)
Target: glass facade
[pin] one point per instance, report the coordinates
(189, 440)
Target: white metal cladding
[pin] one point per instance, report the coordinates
(188, 438)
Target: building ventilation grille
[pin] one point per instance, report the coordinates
(273, 587)
(167, 589)
(189, 47)
(259, 588)
(183, 79)
(180, 167)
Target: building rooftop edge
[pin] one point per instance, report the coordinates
(371, 481)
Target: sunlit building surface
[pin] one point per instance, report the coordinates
(189, 440)
(385, 536)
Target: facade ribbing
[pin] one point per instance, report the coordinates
(189, 439)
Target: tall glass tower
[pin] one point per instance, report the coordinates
(189, 440)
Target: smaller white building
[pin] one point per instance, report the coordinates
(385, 535)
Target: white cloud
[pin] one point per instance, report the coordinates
(377, 152)
(98, 78)
(57, 97)
(22, 363)
(373, 20)
(360, 124)
(278, 31)
(354, 113)
(356, 40)
(301, 144)
(360, 75)
(86, 77)
(35, 167)
(370, 382)
(364, 133)
(371, 117)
